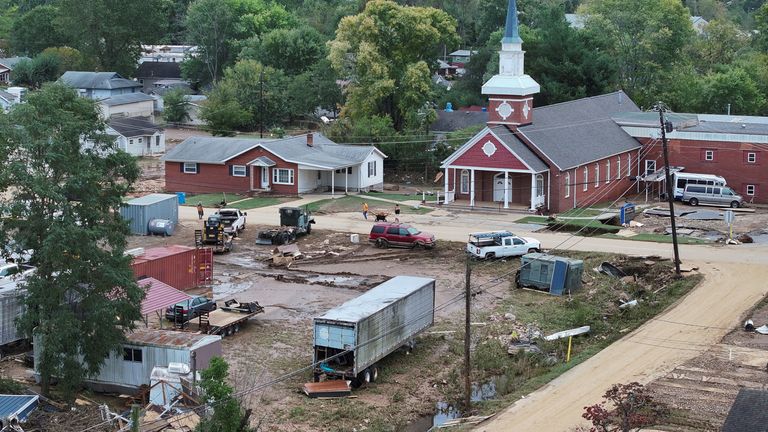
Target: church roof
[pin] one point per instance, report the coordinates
(581, 131)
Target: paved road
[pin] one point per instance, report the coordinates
(735, 281)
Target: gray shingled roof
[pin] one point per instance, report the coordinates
(96, 80)
(520, 149)
(10, 98)
(455, 120)
(324, 153)
(134, 126)
(125, 99)
(703, 123)
(11, 62)
(748, 412)
(581, 131)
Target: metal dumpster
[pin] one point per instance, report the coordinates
(554, 274)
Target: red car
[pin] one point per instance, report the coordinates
(396, 234)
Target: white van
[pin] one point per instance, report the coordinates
(682, 179)
(714, 195)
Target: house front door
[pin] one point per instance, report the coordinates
(265, 177)
(498, 187)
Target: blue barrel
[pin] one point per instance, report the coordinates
(182, 197)
(163, 227)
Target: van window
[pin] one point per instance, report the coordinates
(377, 229)
(393, 230)
(695, 189)
(716, 191)
(681, 183)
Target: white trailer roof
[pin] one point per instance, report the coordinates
(376, 299)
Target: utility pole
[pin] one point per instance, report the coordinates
(261, 104)
(135, 418)
(668, 182)
(467, 365)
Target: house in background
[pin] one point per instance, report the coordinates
(128, 105)
(137, 136)
(158, 77)
(7, 100)
(166, 53)
(99, 85)
(288, 166)
(6, 67)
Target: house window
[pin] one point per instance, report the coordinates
(130, 141)
(709, 155)
(751, 190)
(282, 176)
(132, 354)
(372, 169)
(650, 167)
(586, 178)
(567, 185)
(349, 171)
(157, 141)
(618, 168)
(238, 170)
(607, 171)
(597, 175)
(140, 140)
(629, 165)
(539, 185)
(464, 181)
(751, 157)
(190, 168)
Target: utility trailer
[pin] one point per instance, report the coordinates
(11, 307)
(350, 339)
(228, 319)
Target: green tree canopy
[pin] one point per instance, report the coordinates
(36, 30)
(33, 73)
(227, 415)
(294, 51)
(175, 106)
(732, 86)
(111, 31)
(62, 200)
(69, 59)
(386, 52)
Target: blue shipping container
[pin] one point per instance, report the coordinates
(138, 212)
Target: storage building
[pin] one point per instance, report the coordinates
(551, 273)
(181, 267)
(131, 367)
(139, 211)
(11, 306)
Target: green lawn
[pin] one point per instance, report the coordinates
(397, 197)
(257, 202)
(569, 225)
(542, 220)
(211, 200)
(659, 238)
(353, 203)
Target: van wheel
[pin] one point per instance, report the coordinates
(532, 250)
(734, 204)
(693, 202)
(374, 373)
(490, 255)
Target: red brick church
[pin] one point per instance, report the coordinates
(576, 153)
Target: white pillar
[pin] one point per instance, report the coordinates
(333, 184)
(471, 188)
(533, 191)
(346, 180)
(446, 181)
(506, 189)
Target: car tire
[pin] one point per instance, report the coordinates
(693, 202)
(367, 376)
(374, 373)
(532, 250)
(490, 255)
(309, 229)
(382, 243)
(734, 204)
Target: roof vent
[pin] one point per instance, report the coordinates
(310, 139)
(743, 126)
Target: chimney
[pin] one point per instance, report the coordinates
(310, 139)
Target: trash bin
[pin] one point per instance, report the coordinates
(182, 197)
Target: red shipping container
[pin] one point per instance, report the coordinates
(181, 267)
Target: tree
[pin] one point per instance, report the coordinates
(69, 59)
(36, 30)
(632, 409)
(61, 200)
(720, 44)
(175, 106)
(222, 113)
(111, 31)
(294, 51)
(645, 37)
(761, 25)
(386, 52)
(33, 73)
(227, 415)
(734, 87)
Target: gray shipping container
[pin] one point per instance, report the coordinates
(139, 211)
(373, 325)
(554, 274)
(11, 306)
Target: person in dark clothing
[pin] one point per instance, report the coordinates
(199, 210)
(397, 212)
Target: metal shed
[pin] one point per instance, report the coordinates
(131, 367)
(11, 306)
(551, 273)
(16, 408)
(181, 267)
(139, 211)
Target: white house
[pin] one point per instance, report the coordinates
(128, 105)
(99, 85)
(137, 135)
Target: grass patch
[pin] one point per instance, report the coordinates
(354, 203)
(583, 226)
(541, 220)
(582, 212)
(658, 238)
(257, 202)
(211, 200)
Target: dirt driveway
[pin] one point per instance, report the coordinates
(698, 321)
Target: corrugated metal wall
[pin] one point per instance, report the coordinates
(138, 214)
(11, 306)
(175, 269)
(400, 321)
(117, 371)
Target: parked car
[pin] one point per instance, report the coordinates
(499, 244)
(191, 308)
(233, 220)
(397, 234)
(714, 195)
(14, 272)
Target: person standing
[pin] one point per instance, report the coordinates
(397, 212)
(199, 210)
(365, 210)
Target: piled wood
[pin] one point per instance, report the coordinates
(327, 389)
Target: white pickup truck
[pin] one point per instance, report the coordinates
(499, 244)
(233, 220)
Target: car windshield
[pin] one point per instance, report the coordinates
(413, 231)
(727, 191)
